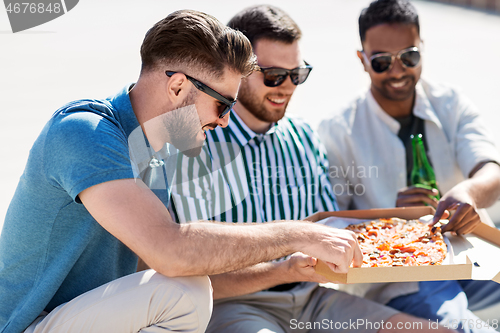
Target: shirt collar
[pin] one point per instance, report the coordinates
(141, 153)
(392, 123)
(125, 114)
(243, 133)
(422, 109)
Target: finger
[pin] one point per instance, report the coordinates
(462, 216)
(419, 199)
(457, 220)
(468, 223)
(440, 209)
(304, 261)
(357, 260)
(308, 262)
(419, 190)
(300, 257)
(298, 254)
(446, 215)
(434, 203)
(468, 228)
(314, 261)
(337, 268)
(332, 266)
(404, 204)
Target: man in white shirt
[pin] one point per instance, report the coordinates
(369, 150)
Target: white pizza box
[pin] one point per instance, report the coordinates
(474, 256)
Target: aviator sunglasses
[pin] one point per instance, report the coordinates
(274, 76)
(228, 103)
(382, 62)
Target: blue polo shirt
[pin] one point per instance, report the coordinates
(51, 249)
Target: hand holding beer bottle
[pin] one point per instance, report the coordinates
(423, 189)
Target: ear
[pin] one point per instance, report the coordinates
(177, 88)
(362, 59)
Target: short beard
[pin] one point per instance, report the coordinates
(248, 98)
(183, 126)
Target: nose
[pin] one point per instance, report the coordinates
(223, 122)
(397, 68)
(287, 85)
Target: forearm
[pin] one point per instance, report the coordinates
(215, 248)
(249, 280)
(484, 185)
(135, 216)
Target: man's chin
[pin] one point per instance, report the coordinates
(397, 97)
(270, 116)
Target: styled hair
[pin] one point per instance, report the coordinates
(197, 40)
(268, 22)
(387, 12)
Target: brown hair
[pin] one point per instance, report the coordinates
(265, 21)
(197, 40)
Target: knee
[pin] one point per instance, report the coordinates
(191, 297)
(199, 290)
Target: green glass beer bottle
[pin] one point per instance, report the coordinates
(422, 174)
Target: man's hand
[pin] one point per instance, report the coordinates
(481, 190)
(338, 248)
(465, 218)
(416, 196)
(300, 268)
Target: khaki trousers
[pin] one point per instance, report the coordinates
(146, 302)
(307, 308)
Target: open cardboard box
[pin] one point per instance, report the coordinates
(476, 256)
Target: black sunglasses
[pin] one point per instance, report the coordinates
(274, 76)
(228, 103)
(382, 62)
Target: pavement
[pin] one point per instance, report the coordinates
(93, 51)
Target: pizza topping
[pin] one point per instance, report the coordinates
(397, 242)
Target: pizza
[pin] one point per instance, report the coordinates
(398, 242)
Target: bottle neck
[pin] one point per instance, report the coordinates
(419, 155)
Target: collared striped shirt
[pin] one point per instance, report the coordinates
(242, 176)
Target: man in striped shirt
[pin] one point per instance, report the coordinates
(267, 167)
